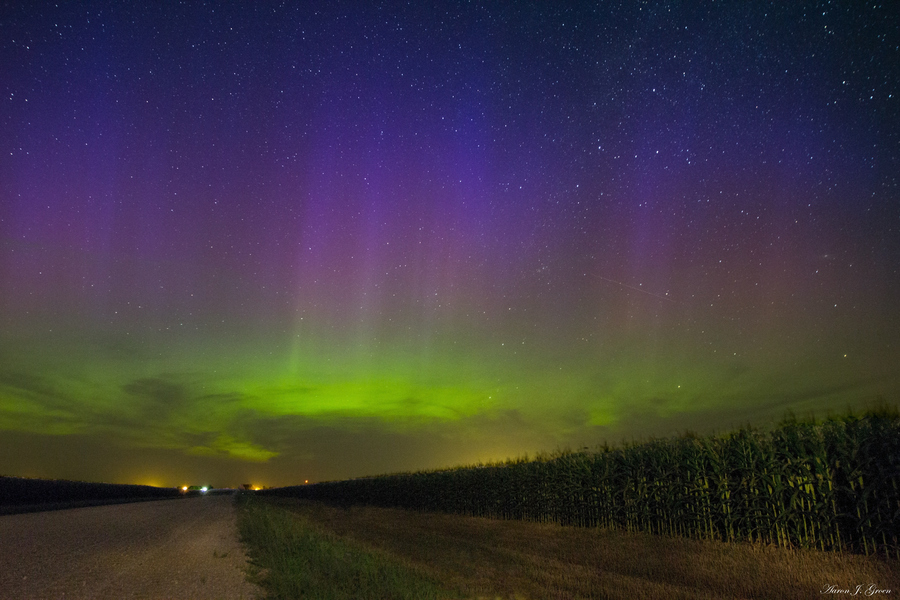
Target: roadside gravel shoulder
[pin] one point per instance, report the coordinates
(157, 550)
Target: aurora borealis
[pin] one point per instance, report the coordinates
(273, 242)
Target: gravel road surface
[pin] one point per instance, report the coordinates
(166, 549)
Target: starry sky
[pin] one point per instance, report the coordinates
(270, 242)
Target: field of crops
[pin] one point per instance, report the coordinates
(833, 485)
(19, 494)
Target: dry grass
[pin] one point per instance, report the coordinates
(488, 558)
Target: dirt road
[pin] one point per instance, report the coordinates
(167, 549)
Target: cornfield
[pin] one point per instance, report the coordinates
(831, 485)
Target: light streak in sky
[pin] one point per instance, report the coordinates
(631, 287)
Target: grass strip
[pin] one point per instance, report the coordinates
(292, 559)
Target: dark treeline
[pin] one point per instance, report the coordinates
(833, 485)
(21, 494)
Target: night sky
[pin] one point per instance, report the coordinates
(266, 242)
